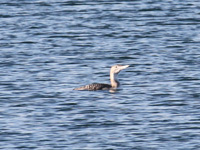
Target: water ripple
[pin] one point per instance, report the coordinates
(50, 47)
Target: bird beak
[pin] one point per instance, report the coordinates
(124, 67)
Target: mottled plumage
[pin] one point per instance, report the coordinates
(94, 87)
(101, 86)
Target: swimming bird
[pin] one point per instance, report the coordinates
(113, 80)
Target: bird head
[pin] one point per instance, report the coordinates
(117, 68)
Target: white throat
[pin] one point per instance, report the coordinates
(114, 81)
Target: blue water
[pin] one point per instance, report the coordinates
(49, 47)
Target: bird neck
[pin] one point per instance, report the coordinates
(113, 80)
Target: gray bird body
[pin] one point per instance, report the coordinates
(94, 87)
(101, 86)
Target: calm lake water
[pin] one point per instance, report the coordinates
(49, 47)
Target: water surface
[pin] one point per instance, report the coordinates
(49, 47)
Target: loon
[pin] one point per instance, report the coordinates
(101, 86)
